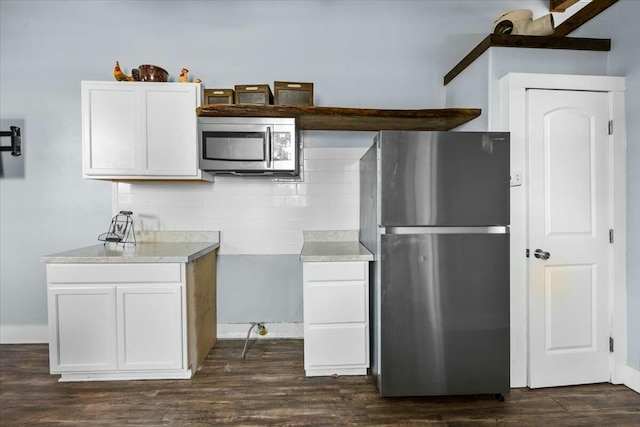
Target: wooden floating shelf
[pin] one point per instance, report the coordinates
(535, 42)
(560, 5)
(349, 119)
(590, 11)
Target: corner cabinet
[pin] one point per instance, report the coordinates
(336, 318)
(139, 130)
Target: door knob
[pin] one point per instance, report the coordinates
(540, 254)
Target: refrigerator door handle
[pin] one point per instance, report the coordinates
(499, 229)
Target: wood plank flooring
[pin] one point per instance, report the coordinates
(269, 388)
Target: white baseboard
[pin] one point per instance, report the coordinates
(631, 378)
(24, 334)
(39, 334)
(274, 330)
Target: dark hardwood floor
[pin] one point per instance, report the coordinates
(269, 388)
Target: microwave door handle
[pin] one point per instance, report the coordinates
(269, 147)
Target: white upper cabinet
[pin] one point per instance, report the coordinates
(134, 130)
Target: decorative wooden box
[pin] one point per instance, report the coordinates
(218, 96)
(254, 94)
(293, 93)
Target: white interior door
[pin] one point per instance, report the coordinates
(569, 219)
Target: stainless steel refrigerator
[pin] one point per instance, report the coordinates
(434, 210)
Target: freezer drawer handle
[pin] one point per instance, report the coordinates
(540, 254)
(16, 141)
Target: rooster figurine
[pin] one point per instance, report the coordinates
(119, 75)
(183, 76)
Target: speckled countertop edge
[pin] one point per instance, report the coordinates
(333, 246)
(152, 247)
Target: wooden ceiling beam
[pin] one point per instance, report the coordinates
(583, 15)
(560, 5)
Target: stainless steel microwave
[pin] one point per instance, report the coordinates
(249, 145)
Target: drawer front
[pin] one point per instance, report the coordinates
(335, 302)
(336, 346)
(114, 273)
(317, 271)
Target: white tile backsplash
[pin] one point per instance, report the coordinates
(298, 200)
(255, 215)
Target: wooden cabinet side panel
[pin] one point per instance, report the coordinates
(202, 317)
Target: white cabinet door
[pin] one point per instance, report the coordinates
(150, 327)
(171, 130)
(111, 129)
(82, 327)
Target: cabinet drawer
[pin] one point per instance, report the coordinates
(335, 302)
(336, 346)
(316, 271)
(114, 273)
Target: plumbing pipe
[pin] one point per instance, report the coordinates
(520, 22)
(540, 27)
(261, 330)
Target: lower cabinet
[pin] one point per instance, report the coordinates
(122, 321)
(336, 318)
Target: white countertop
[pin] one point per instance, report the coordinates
(333, 246)
(178, 247)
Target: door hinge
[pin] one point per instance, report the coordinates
(610, 344)
(611, 235)
(610, 127)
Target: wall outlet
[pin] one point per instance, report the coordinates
(515, 179)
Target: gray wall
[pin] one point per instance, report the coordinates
(243, 293)
(380, 54)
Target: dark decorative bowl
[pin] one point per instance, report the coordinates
(153, 73)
